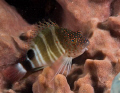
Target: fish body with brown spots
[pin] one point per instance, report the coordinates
(53, 43)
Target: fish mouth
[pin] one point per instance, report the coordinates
(85, 49)
(87, 43)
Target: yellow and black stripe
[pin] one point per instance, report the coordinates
(46, 47)
(50, 43)
(53, 41)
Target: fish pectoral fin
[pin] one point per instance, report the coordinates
(64, 64)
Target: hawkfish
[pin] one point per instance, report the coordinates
(53, 44)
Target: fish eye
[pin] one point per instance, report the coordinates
(74, 40)
(30, 54)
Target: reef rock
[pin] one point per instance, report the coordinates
(92, 72)
(97, 67)
(12, 47)
(11, 27)
(76, 13)
(46, 84)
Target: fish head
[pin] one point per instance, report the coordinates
(74, 43)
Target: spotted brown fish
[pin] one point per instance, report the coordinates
(52, 44)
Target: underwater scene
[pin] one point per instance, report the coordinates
(59, 46)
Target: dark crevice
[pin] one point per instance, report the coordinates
(115, 34)
(90, 35)
(95, 80)
(80, 60)
(23, 37)
(27, 89)
(33, 11)
(77, 72)
(9, 85)
(112, 7)
(113, 64)
(99, 55)
(97, 88)
(102, 25)
(57, 14)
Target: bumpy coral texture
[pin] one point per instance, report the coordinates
(93, 71)
(11, 47)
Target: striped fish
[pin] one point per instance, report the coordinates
(52, 44)
(55, 44)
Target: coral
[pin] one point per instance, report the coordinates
(8, 91)
(45, 85)
(92, 72)
(101, 60)
(78, 12)
(25, 85)
(97, 67)
(2, 82)
(113, 25)
(11, 47)
(11, 26)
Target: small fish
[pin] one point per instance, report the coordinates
(51, 44)
(56, 44)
